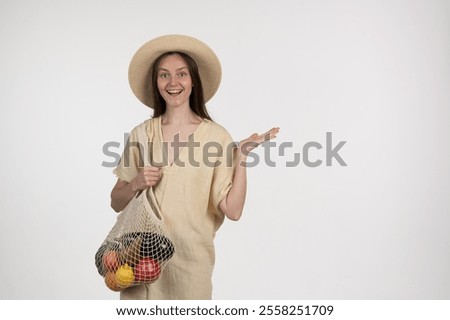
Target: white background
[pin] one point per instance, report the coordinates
(374, 73)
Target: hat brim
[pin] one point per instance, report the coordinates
(139, 72)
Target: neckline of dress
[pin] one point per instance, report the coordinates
(161, 137)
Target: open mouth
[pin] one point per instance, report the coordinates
(174, 92)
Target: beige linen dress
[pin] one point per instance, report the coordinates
(189, 194)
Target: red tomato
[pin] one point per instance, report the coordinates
(147, 270)
(111, 261)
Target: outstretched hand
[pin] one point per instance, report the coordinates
(256, 139)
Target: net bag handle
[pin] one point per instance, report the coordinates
(150, 202)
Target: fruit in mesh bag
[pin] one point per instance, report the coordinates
(128, 238)
(130, 253)
(111, 260)
(99, 259)
(111, 282)
(147, 270)
(125, 276)
(156, 246)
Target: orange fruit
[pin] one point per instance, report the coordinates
(111, 282)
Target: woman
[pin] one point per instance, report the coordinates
(196, 180)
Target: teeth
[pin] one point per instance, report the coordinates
(174, 91)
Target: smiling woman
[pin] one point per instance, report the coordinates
(168, 74)
(174, 81)
(184, 74)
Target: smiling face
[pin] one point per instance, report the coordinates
(174, 81)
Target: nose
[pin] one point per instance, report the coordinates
(173, 81)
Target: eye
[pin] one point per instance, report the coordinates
(164, 75)
(182, 74)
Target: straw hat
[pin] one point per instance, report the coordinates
(139, 73)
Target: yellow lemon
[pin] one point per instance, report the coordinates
(124, 276)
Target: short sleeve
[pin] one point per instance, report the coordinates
(130, 161)
(223, 172)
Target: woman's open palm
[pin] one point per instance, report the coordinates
(256, 139)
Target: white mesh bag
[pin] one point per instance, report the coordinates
(137, 248)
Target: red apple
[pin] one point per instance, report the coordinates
(111, 261)
(147, 270)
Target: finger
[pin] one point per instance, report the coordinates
(151, 168)
(260, 138)
(151, 180)
(254, 140)
(152, 175)
(272, 133)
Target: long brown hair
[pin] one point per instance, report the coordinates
(196, 99)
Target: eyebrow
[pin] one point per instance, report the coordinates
(176, 70)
